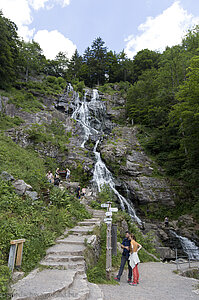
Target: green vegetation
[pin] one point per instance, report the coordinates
(22, 163)
(7, 122)
(39, 222)
(164, 100)
(193, 273)
(53, 133)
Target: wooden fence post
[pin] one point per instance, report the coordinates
(16, 246)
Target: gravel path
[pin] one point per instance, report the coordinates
(157, 282)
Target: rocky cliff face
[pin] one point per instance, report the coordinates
(138, 178)
(136, 172)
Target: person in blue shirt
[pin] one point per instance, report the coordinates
(125, 258)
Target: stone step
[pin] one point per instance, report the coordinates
(89, 223)
(95, 293)
(78, 266)
(78, 290)
(77, 240)
(42, 285)
(66, 249)
(82, 230)
(63, 258)
(73, 239)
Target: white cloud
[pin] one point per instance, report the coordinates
(37, 4)
(48, 4)
(167, 29)
(63, 2)
(53, 42)
(19, 12)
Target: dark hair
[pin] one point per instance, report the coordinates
(133, 237)
(127, 232)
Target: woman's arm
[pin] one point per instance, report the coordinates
(139, 247)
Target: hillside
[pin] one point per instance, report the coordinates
(126, 129)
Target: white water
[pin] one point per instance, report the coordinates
(188, 246)
(82, 115)
(102, 175)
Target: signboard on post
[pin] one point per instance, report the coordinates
(109, 214)
(104, 205)
(114, 209)
(108, 221)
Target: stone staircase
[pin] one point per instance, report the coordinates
(61, 275)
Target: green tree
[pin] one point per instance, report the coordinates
(144, 60)
(9, 43)
(32, 61)
(99, 61)
(185, 114)
(58, 66)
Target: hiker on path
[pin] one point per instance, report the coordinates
(78, 192)
(166, 222)
(125, 258)
(50, 176)
(56, 177)
(134, 259)
(67, 174)
(83, 192)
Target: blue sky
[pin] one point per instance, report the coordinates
(64, 25)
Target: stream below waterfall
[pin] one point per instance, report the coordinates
(189, 247)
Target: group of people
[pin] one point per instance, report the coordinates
(130, 255)
(55, 179)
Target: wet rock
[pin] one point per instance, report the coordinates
(6, 176)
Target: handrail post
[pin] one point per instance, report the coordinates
(177, 258)
(189, 262)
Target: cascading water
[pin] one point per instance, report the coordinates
(102, 175)
(188, 246)
(82, 115)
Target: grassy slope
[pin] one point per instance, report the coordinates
(41, 221)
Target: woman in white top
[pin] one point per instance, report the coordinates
(134, 259)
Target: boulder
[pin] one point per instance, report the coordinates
(71, 186)
(32, 195)
(165, 253)
(21, 187)
(6, 176)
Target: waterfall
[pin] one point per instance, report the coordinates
(82, 115)
(102, 175)
(188, 246)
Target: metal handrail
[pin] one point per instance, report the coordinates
(187, 257)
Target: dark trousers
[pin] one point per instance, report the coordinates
(124, 259)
